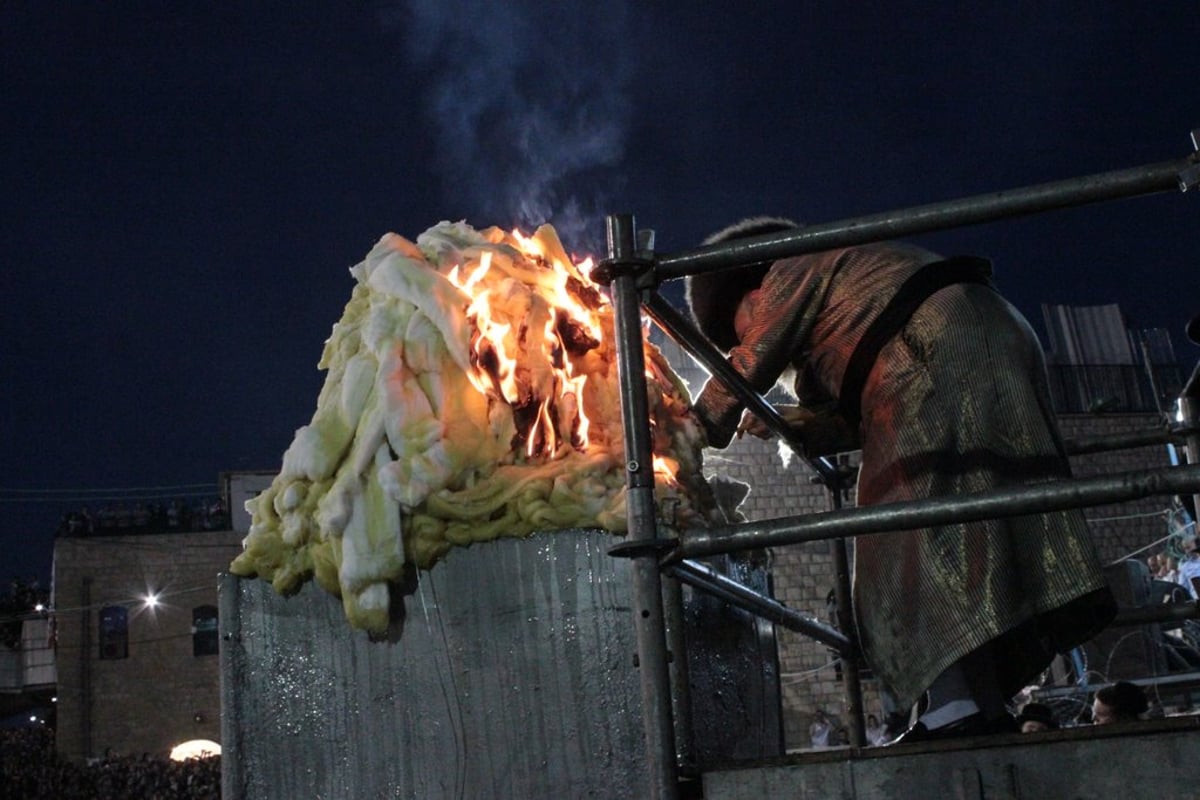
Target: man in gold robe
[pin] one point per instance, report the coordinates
(918, 360)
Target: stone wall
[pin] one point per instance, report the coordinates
(1125, 529)
(161, 694)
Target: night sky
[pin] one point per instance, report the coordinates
(186, 184)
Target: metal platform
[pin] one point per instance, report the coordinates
(511, 673)
(1153, 759)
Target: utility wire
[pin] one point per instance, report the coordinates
(95, 498)
(111, 489)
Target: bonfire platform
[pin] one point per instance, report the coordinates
(1145, 759)
(510, 672)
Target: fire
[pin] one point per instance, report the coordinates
(537, 375)
(666, 469)
(471, 393)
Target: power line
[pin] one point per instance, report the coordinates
(135, 600)
(94, 498)
(206, 484)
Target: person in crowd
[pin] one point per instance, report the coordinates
(875, 733)
(31, 769)
(1170, 571)
(819, 730)
(918, 361)
(1189, 567)
(1119, 702)
(1036, 717)
(174, 515)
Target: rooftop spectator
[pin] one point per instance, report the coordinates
(1120, 702)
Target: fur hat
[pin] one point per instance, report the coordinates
(713, 297)
(1127, 699)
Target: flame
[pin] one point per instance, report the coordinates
(536, 376)
(666, 469)
(485, 263)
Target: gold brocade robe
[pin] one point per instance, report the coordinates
(957, 402)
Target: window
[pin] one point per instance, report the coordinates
(204, 631)
(114, 632)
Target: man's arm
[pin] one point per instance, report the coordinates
(822, 431)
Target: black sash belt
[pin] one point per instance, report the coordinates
(911, 294)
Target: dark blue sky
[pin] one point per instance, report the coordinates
(186, 184)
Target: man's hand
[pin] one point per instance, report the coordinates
(821, 432)
(795, 416)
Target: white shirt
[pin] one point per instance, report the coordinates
(1188, 569)
(819, 732)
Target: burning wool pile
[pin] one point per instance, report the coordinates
(471, 394)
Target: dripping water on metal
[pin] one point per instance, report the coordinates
(436, 627)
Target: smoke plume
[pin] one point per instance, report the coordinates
(528, 104)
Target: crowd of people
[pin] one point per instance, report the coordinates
(31, 769)
(148, 516)
(1120, 702)
(1166, 566)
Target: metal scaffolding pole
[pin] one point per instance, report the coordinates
(682, 331)
(705, 578)
(1189, 410)
(888, 517)
(1125, 440)
(632, 274)
(1180, 175)
(671, 321)
(649, 622)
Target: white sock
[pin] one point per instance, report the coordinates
(949, 713)
(949, 699)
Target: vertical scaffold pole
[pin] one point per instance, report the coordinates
(851, 680)
(649, 625)
(1189, 412)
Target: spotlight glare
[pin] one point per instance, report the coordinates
(152, 601)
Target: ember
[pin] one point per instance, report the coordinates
(471, 393)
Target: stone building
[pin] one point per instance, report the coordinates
(137, 645)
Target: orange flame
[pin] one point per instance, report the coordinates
(666, 469)
(510, 365)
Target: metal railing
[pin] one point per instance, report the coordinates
(634, 274)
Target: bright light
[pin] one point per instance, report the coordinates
(151, 601)
(196, 748)
(39, 608)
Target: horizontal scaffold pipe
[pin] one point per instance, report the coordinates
(1159, 612)
(1145, 179)
(890, 517)
(707, 579)
(1126, 440)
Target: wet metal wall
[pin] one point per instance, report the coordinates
(510, 675)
